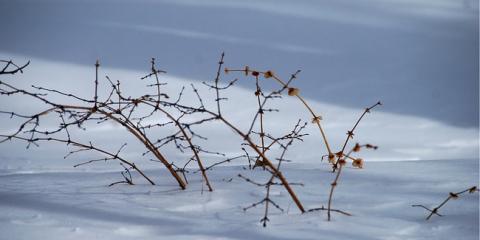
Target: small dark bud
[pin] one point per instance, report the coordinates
(453, 195)
(247, 70)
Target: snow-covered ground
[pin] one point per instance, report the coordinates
(76, 205)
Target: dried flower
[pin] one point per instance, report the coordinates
(472, 189)
(293, 91)
(255, 73)
(259, 163)
(342, 162)
(268, 74)
(358, 163)
(357, 148)
(226, 70)
(339, 154)
(331, 158)
(257, 93)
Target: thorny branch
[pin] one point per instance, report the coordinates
(292, 91)
(82, 147)
(119, 108)
(342, 157)
(288, 139)
(332, 210)
(121, 111)
(316, 119)
(11, 68)
(350, 135)
(451, 195)
(216, 115)
(126, 175)
(356, 162)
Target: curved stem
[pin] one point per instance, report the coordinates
(195, 152)
(330, 197)
(148, 144)
(124, 122)
(267, 162)
(351, 133)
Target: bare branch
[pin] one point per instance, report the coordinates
(451, 195)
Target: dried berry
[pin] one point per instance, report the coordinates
(357, 148)
(293, 91)
(268, 74)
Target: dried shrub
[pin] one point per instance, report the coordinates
(336, 159)
(133, 113)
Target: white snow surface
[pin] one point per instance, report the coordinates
(80, 205)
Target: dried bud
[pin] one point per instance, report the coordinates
(331, 158)
(371, 146)
(259, 163)
(356, 148)
(293, 91)
(247, 69)
(226, 70)
(257, 93)
(342, 162)
(453, 195)
(339, 154)
(358, 163)
(268, 74)
(472, 189)
(317, 119)
(255, 73)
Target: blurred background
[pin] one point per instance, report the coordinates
(419, 57)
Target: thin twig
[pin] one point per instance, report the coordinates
(451, 195)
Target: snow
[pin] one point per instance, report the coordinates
(80, 205)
